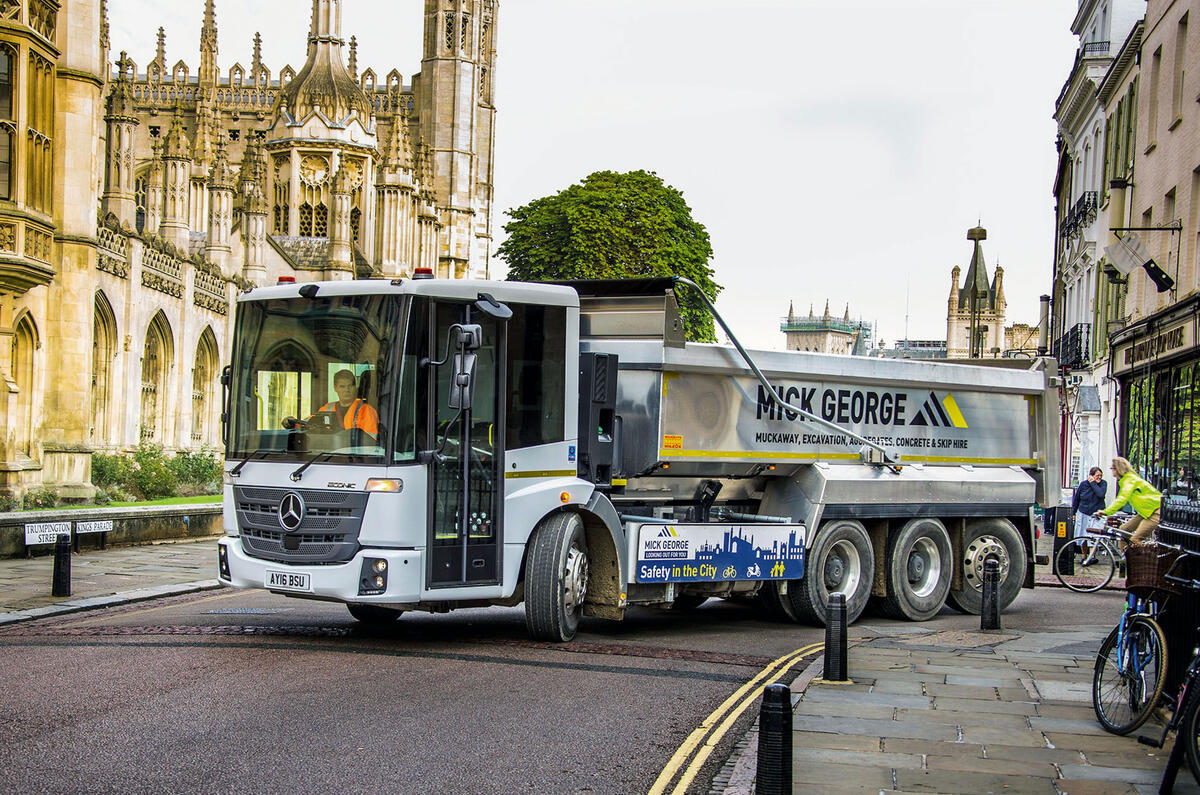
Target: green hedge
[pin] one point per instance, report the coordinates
(150, 474)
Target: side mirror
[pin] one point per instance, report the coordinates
(462, 388)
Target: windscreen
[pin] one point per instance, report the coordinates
(323, 378)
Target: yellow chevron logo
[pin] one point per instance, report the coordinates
(943, 413)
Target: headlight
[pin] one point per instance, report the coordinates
(386, 485)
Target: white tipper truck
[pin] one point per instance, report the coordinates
(499, 443)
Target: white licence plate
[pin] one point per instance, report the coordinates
(288, 581)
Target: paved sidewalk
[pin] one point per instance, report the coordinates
(105, 577)
(955, 712)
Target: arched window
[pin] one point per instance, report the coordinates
(140, 186)
(203, 384)
(24, 345)
(104, 349)
(156, 367)
(8, 115)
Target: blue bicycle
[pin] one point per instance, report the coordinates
(1131, 667)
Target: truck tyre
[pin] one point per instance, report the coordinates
(985, 537)
(374, 614)
(556, 578)
(917, 571)
(842, 559)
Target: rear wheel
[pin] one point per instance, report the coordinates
(556, 578)
(1129, 676)
(986, 538)
(919, 564)
(1085, 565)
(841, 561)
(374, 614)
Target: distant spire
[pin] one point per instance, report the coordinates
(827, 315)
(256, 62)
(161, 57)
(210, 22)
(208, 45)
(791, 311)
(846, 317)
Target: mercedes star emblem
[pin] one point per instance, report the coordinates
(291, 511)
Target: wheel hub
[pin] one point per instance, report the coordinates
(842, 569)
(575, 579)
(924, 567)
(979, 551)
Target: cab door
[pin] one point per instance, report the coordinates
(466, 494)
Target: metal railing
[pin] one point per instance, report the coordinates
(1095, 49)
(1082, 213)
(1073, 348)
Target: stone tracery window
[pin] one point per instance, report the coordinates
(203, 380)
(140, 186)
(306, 220)
(450, 31)
(104, 346)
(8, 127)
(23, 346)
(39, 160)
(156, 366)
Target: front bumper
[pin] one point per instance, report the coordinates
(338, 582)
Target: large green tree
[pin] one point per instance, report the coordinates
(615, 226)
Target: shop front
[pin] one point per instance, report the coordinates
(1157, 365)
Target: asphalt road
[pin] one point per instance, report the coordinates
(246, 691)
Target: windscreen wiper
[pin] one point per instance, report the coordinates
(237, 470)
(325, 455)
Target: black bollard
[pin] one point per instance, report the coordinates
(61, 583)
(774, 774)
(835, 639)
(989, 616)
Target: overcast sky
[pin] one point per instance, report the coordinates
(834, 149)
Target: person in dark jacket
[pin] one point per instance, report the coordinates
(1087, 500)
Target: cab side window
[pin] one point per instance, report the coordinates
(536, 375)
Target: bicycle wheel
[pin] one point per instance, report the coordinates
(1190, 732)
(1085, 572)
(1129, 676)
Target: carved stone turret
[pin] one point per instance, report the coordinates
(221, 183)
(121, 120)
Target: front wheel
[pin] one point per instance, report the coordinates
(841, 561)
(1129, 675)
(556, 578)
(1083, 569)
(985, 538)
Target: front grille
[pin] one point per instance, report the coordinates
(339, 513)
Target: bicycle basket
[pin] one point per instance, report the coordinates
(1146, 565)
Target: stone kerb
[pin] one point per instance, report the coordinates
(132, 525)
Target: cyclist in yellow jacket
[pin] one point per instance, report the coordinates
(1145, 500)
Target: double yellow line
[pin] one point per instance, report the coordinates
(698, 748)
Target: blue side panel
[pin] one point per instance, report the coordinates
(719, 553)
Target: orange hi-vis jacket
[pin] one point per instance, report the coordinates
(357, 415)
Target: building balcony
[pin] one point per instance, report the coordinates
(1095, 49)
(1082, 213)
(1073, 349)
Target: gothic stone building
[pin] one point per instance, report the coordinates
(136, 201)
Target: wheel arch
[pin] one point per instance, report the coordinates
(605, 538)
